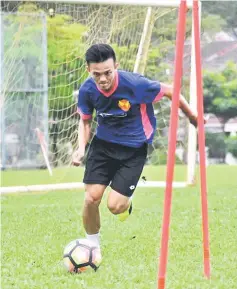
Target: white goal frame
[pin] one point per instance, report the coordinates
(192, 135)
(155, 3)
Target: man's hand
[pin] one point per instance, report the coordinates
(77, 157)
(194, 120)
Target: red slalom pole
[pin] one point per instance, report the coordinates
(201, 140)
(180, 37)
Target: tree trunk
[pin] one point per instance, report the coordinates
(223, 122)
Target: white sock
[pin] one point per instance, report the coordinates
(95, 238)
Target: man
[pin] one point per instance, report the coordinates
(126, 125)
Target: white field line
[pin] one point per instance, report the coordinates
(73, 186)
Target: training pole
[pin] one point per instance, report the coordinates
(201, 140)
(180, 37)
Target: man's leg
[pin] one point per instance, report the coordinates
(125, 181)
(117, 203)
(91, 215)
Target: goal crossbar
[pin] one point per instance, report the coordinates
(158, 3)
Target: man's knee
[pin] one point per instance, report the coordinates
(117, 208)
(92, 199)
(117, 204)
(93, 195)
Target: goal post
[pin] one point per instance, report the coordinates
(192, 132)
(139, 36)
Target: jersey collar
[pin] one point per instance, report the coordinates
(112, 90)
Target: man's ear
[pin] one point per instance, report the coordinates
(116, 65)
(88, 68)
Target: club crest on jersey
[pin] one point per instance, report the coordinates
(124, 104)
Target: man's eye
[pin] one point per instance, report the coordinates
(96, 74)
(107, 73)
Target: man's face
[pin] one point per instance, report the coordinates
(103, 73)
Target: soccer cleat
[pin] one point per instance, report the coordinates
(123, 216)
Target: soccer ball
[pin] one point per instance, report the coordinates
(81, 255)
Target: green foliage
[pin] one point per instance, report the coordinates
(159, 157)
(23, 53)
(121, 54)
(220, 91)
(231, 143)
(216, 145)
(66, 48)
(212, 23)
(156, 67)
(65, 53)
(23, 32)
(65, 60)
(65, 40)
(227, 11)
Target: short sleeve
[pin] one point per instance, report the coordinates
(84, 105)
(148, 91)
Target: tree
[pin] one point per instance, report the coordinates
(220, 91)
(227, 10)
(65, 61)
(231, 143)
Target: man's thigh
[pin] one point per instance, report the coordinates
(100, 167)
(127, 176)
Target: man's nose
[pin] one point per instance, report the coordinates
(102, 78)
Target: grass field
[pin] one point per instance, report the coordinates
(73, 174)
(37, 226)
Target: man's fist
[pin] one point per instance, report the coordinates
(194, 120)
(77, 157)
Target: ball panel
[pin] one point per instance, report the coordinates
(82, 269)
(68, 264)
(96, 257)
(70, 247)
(80, 255)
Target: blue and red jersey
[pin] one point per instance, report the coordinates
(124, 114)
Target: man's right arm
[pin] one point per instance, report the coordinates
(84, 132)
(85, 109)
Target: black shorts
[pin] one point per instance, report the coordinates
(114, 164)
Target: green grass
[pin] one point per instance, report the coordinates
(74, 174)
(37, 226)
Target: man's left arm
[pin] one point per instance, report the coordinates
(183, 104)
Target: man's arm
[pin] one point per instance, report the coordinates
(84, 132)
(183, 104)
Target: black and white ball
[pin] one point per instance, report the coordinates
(81, 255)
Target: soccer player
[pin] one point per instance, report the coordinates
(126, 125)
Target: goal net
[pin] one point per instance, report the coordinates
(43, 68)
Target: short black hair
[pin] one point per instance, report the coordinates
(99, 53)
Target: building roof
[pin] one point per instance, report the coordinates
(214, 124)
(215, 55)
